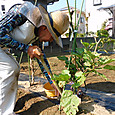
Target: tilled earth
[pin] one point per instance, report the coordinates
(29, 102)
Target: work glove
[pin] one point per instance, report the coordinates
(34, 52)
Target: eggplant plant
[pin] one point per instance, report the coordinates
(80, 64)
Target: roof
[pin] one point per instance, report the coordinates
(66, 8)
(51, 1)
(107, 8)
(71, 9)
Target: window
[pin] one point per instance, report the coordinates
(3, 8)
(97, 2)
(81, 20)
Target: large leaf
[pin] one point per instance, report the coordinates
(66, 93)
(93, 55)
(108, 61)
(79, 82)
(104, 60)
(86, 57)
(70, 102)
(92, 45)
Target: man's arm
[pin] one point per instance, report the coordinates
(9, 42)
(7, 27)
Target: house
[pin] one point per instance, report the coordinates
(110, 25)
(95, 16)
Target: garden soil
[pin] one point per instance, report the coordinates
(30, 102)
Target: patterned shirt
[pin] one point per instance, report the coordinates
(11, 20)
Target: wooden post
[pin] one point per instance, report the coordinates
(32, 71)
(113, 31)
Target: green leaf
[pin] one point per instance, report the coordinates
(100, 74)
(94, 54)
(70, 102)
(86, 44)
(104, 60)
(87, 63)
(109, 67)
(80, 78)
(62, 58)
(67, 93)
(62, 84)
(92, 45)
(78, 55)
(108, 61)
(65, 72)
(80, 50)
(61, 77)
(70, 111)
(79, 74)
(79, 82)
(86, 57)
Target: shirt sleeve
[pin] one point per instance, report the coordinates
(7, 41)
(6, 28)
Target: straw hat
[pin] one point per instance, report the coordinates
(57, 23)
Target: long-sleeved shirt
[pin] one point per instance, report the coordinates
(7, 26)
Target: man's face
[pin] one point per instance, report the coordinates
(44, 34)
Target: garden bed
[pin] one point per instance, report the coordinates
(28, 103)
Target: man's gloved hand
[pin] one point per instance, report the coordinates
(34, 51)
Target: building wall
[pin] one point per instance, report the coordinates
(97, 17)
(81, 28)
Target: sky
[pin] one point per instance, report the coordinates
(63, 3)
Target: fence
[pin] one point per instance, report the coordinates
(54, 48)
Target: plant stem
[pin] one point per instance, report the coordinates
(21, 57)
(70, 15)
(96, 44)
(76, 27)
(29, 69)
(35, 2)
(74, 45)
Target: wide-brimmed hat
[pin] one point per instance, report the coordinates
(57, 22)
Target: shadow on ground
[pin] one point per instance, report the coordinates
(31, 104)
(108, 87)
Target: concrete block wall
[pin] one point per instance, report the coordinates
(53, 47)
